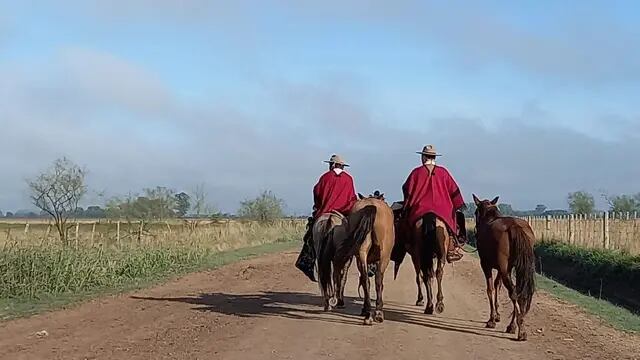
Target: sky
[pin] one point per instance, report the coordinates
(527, 100)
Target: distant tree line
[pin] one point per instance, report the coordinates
(58, 190)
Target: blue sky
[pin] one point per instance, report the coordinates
(525, 99)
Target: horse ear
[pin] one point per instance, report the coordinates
(360, 196)
(476, 200)
(495, 201)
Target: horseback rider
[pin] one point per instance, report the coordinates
(430, 188)
(334, 191)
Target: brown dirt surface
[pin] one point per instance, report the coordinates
(264, 308)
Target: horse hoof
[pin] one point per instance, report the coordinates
(491, 325)
(497, 318)
(522, 336)
(379, 318)
(368, 321)
(327, 308)
(340, 304)
(363, 312)
(511, 329)
(429, 310)
(333, 302)
(439, 308)
(420, 303)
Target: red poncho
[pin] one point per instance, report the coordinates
(437, 193)
(333, 192)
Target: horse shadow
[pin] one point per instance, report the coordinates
(307, 307)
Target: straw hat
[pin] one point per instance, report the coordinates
(336, 159)
(428, 150)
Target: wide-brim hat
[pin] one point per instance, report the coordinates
(429, 150)
(336, 159)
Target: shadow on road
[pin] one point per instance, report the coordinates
(305, 306)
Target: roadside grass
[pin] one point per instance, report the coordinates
(121, 271)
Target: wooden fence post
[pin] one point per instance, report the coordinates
(77, 233)
(605, 230)
(118, 232)
(140, 232)
(572, 229)
(93, 232)
(26, 228)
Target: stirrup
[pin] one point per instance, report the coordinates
(454, 256)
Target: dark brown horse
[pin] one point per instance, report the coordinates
(404, 244)
(505, 244)
(370, 239)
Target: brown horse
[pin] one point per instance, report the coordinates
(505, 244)
(371, 238)
(404, 244)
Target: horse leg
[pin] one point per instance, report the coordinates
(508, 284)
(342, 284)
(491, 323)
(427, 277)
(379, 314)
(416, 266)
(364, 281)
(443, 240)
(497, 285)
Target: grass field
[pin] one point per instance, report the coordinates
(38, 273)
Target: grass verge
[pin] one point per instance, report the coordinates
(31, 301)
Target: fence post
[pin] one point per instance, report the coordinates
(118, 232)
(93, 232)
(572, 230)
(26, 228)
(140, 232)
(77, 233)
(605, 228)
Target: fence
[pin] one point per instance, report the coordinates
(117, 233)
(615, 231)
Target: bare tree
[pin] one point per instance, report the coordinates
(57, 192)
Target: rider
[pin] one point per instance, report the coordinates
(334, 191)
(430, 188)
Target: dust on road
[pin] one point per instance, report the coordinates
(264, 308)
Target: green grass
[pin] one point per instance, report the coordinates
(619, 318)
(33, 280)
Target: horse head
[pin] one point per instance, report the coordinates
(485, 209)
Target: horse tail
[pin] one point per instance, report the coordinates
(524, 265)
(325, 255)
(358, 236)
(430, 238)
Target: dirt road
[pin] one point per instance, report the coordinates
(265, 309)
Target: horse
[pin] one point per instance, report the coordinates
(505, 243)
(329, 229)
(404, 245)
(370, 239)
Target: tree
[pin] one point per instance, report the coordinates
(157, 203)
(540, 209)
(57, 191)
(506, 209)
(265, 207)
(581, 202)
(201, 205)
(9, 214)
(470, 210)
(94, 212)
(182, 204)
(625, 203)
(1, 215)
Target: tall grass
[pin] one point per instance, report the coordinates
(31, 271)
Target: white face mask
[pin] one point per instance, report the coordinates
(338, 171)
(430, 162)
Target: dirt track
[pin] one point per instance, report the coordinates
(265, 309)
